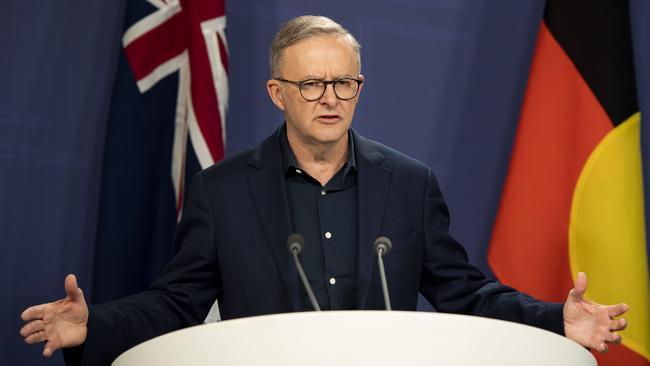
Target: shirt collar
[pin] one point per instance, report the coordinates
(289, 161)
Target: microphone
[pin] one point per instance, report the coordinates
(295, 244)
(382, 247)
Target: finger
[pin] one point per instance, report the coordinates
(602, 348)
(618, 324)
(49, 349)
(37, 337)
(616, 310)
(32, 327)
(614, 338)
(33, 312)
(71, 287)
(581, 285)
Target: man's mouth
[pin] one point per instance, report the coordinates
(329, 117)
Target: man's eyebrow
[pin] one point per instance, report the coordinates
(312, 77)
(315, 77)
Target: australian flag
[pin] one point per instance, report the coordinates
(167, 121)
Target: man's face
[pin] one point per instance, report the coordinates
(326, 120)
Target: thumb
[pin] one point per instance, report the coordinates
(71, 287)
(581, 285)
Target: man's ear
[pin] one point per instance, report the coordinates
(275, 92)
(362, 78)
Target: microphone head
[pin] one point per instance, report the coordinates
(295, 243)
(384, 243)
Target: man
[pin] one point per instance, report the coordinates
(318, 177)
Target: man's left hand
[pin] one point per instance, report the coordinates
(591, 324)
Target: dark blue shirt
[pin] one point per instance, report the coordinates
(326, 216)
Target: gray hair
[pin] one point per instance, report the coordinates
(303, 27)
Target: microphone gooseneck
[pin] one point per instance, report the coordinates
(382, 247)
(295, 245)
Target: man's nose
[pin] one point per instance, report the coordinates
(329, 97)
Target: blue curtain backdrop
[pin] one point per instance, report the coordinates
(640, 22)
(444, 83)
(57, 64)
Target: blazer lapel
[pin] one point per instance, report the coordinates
(373, 180)
(269, 193)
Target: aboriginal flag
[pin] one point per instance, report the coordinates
(573, 198)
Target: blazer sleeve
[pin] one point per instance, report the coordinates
(181, 297)
(453, 285)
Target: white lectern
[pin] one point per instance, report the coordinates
(359, 338)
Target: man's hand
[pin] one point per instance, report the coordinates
(61, 323)
(590, 324)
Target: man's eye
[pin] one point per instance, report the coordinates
(312, 84)
(346, 83)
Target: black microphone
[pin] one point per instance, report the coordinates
(295, 244)
(382, 247)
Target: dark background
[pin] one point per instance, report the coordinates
(444, 83)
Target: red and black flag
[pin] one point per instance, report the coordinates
(573, 197)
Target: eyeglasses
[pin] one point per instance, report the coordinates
(314, 89)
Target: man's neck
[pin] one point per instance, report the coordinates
(321, 161)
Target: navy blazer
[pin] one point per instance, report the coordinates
(232, 241)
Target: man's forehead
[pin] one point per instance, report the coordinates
(320, 41)
(314, 56)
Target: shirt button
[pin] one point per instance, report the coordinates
(322, 193)
(332, 281)
(298, 171)
(328, 235)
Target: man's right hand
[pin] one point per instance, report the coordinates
(61, 323)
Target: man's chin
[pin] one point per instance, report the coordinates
(330, 136)
(327, 134)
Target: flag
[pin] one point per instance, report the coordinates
(573, 197)
(167, 121)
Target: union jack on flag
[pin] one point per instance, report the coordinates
(186, 37)
(166, 119)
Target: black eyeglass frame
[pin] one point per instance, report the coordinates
(300, 83)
